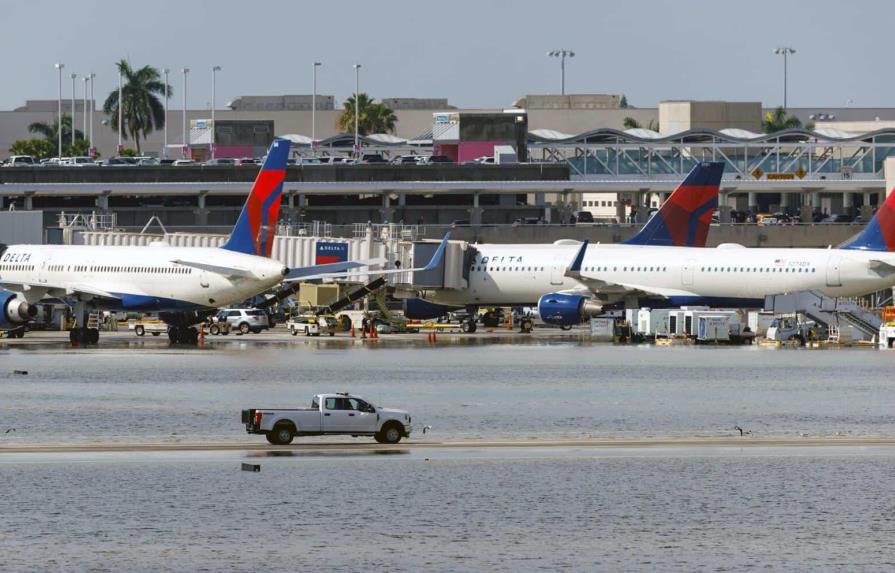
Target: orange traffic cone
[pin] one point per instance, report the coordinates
(352, 331)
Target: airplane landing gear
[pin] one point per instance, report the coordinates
(183, 335)
(469, 326)
(83, 336)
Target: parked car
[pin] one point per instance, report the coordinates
(406, 160)
(245, 320)
(184, 162)
(430, 159)
(373, 158)
(838, 218)
(484, 160)
(148, 161)
(221, 161)
(19, 161)
(329, 414)
(120, 161)
(582, 217)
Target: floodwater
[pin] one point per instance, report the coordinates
(798, 509)
(539, 389)
(531, 509)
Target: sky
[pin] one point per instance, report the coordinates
(484, 53)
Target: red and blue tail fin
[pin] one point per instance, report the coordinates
(879, 234)
(684, 219)
(255, 228)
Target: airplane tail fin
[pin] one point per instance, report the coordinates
(879, 234)
(684, 219)
(254, 230)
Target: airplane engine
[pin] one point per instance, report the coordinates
(567, 310)
(15, 312)
(419, 309)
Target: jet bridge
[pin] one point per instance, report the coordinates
(453, 273)
(836, 314)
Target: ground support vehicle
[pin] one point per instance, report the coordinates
(329, 414)
(311, 325)
(143, 327)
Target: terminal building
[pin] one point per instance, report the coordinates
(575, 153)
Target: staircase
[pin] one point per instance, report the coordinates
(831, 312)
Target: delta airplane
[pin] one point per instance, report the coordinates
(518, 274)
(183, 285)
(570, 283)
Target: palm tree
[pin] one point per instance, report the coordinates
(143, 111)
(374, 117)
(50, 131)
(778, 120)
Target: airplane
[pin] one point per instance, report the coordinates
(729, 275)
(683, 220)
(183, 285)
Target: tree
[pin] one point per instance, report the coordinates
(623, 103)
(50, 131)
(374, 117)
(36, 148)
(143, 112)
(631, 123)
(778, 120)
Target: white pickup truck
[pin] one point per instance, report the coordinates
(329, 414)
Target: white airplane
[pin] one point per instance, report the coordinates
(572, 281)
(182, 284)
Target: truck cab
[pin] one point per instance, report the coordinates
(329, 414)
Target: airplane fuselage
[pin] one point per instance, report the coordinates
(138, 278)
(730, 274)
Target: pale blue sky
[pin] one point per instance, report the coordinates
(477, 53)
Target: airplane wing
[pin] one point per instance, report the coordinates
(226, 271)
(601, 286)
(329, 269)
(350, 268)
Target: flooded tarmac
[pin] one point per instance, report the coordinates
(680, 504)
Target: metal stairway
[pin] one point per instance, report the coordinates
(832, 312)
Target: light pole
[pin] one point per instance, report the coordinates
(562, 55)
(92, 105)
(314, 110)
(166, 71)
(784, 51)
(183, 149)
(120, 114)
(214, 71)
(60, 66)
(74, 77)
(356, 110)
(86, 85)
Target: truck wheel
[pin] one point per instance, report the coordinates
(214, 330)
(390, 434)
(244, 328)
(292, 331)
(281, 435)
(139, 330)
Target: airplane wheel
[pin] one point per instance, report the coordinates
(92, 336)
